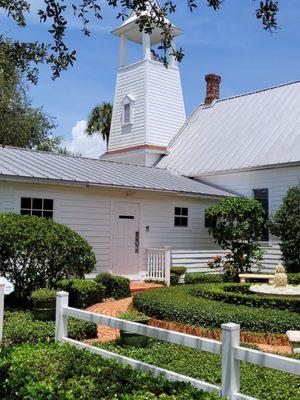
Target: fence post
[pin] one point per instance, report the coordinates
(1, 310)
(230, 366)
(61, 321)
(168, 261)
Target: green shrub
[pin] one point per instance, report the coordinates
(240, 294)
(178, 304)
(176, 272)
(133, 315)
(19, 327)
(262, 383)
(200, 277)
(83, 293)
(63, 372)
(294, 279)
(46, 250)
(116, 286)
(236, 225)
(285, 224)
(42, 295)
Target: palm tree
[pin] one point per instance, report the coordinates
(99, 120)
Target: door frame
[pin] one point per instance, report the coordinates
(114, 203)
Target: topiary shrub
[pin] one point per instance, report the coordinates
(236, 224)
(176, 272)
(285, 224)
(116, 286)
(83, 293)
(38, 252)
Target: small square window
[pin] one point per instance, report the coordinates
(37, 206)
(181, 216)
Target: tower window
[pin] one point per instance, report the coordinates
(127, 114)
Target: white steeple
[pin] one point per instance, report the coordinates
(148, 107)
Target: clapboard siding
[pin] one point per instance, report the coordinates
(277, 180)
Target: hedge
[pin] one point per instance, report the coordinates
(294, 279)
(116, 286)
(236, 293)
(259, 382)
(20, 327)
(46, 250)
(43, 295)
(83, 293)
(178, 304)
(199, 277)
(63, 372)
(176, 272)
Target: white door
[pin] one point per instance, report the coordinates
(126, 239)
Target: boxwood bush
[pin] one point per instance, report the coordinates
(62, 372)
(294, 279)
(83, 293)
(43, 295)
(116, 286)
(178, 304)
(199, 277)
(20, 327)
(47, 251)
(176, 272)
(236, 293)
(259, 382)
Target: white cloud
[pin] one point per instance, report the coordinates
(87, 146)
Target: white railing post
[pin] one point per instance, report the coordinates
(168, 261)
(230, 366)
(61, 321)
(1, 310)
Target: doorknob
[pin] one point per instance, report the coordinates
(137, 241)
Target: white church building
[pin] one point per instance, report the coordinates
(162, 170)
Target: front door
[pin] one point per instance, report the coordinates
(126, 239)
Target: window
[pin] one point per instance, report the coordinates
(37, 206)
(262, 195)
(181, 216)
(127, 114)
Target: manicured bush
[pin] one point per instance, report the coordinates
(176, 272)
(199, 277)
(285, 224)
(46, 250)
(42, 295)
(178, 304)
(116, 286)
(19, 327)
(240, 294)
(259, 382)
(63, 372)
(83, 293)
(236, 225)
(294, 279)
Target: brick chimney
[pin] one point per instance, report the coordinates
(212, 88)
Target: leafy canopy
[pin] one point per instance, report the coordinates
(58, 13)
(285, 224)
(236, 225)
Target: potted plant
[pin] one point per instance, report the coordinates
(131, 338)
(43, 304)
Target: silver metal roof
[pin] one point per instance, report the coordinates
(247, 131)
(28, 165)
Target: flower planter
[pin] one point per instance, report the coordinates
(133, 339)
(44, 310)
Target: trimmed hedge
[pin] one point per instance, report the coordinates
(43, 295)
(178, 304)
(259, 382)
(63, 372)
(20, 327)
(236, 293)
(294, 279)
(83, 293)
(199, 277)
(116, 286)
(176, 272)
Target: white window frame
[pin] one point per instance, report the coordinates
(127, 101)
(181, 216)
(31, 209)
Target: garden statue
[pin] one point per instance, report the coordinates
(280, 277)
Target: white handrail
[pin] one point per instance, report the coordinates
(230, 349)
(159, 264)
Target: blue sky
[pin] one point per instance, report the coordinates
(230, 42)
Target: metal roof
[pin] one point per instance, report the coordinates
(248, 131)
(28, 165)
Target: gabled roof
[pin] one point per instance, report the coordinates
(253, 130)
(34, 166)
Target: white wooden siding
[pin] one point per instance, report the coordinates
(89, 212)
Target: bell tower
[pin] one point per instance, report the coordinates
(148, 106)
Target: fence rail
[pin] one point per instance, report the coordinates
(229, 349)
(159, 264)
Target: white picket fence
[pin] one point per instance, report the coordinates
(159, 264)
(230, 350)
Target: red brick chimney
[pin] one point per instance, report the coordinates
(212, 88)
